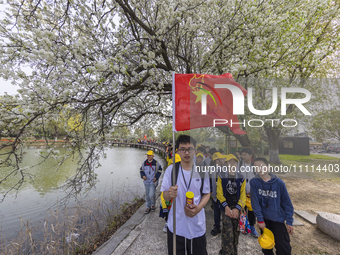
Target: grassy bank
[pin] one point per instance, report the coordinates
(77, 230)
(312, 166)
(114, 223)
(303, 158)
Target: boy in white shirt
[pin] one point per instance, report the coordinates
(190, 219)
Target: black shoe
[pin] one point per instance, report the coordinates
(147, 210)
(153, 208)
(215, 231)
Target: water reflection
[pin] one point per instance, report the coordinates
(118, 181)
(47, 175)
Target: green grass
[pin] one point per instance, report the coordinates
(312, 166)
(302, 158)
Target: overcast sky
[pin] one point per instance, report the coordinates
(6, 86)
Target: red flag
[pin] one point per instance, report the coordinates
(145, 137)
(202, 100)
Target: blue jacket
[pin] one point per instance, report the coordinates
(270, 200)
(150, 171)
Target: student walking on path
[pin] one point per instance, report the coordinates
(272, 206)
(190, 218)
(150, 171)
(231, 193)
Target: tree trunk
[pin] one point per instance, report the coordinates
(243, 139)
(273, 144)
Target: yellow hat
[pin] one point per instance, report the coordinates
(177, 159)
(266, 240)
(218, 155)
(231, 156)
(199, 154)
(150, 153)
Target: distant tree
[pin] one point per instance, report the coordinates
(138, 133)
(123, 131)
(326, 125)
(164, 132)
(149, 132)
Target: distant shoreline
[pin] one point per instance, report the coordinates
(36, 142)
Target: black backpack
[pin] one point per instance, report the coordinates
(176, 176)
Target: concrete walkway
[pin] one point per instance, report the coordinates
(149, 238)
(336, 155)
(143, 234)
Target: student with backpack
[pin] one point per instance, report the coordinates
(190, 219)
(218, 161)
(150, 172)
(231, 193)
(272, 206)
(166, 205)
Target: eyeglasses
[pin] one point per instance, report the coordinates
(184, 150)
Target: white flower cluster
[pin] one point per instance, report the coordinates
(108, 64)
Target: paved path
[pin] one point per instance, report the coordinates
(335, 155)
(148, 238)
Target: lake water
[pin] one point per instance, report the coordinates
(118, 179)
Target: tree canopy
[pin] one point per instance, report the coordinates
(110, 62)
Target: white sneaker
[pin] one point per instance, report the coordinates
(165, 229)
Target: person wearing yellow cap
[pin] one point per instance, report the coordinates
(199, 159)
(177, 159)
(231, 193)
(272, 207)
(217, 161)
(150, 171)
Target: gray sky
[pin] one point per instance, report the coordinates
(6, 86)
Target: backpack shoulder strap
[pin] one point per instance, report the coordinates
(156, 168)
(176, 173)
(202, 174)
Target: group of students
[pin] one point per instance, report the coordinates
(270, 201)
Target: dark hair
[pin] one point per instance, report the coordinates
(247, 150)
(185, 139)
(221, 151)
(212, 151)
(201, 149)
(263, 160)
(236, 155)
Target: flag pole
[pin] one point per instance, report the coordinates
(174, 199)
(173, 206)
